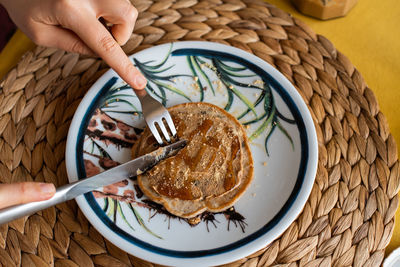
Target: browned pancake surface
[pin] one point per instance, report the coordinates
(210, 173)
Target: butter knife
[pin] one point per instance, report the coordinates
(114, 175)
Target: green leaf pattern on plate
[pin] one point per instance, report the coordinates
(227, 78)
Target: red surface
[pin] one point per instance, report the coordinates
(7, 27)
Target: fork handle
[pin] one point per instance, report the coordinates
(141, 94)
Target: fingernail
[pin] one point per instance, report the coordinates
(140, 82)
(47, 189)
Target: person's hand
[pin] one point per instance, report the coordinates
(74, 25)
(20, 193)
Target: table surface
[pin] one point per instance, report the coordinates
(367, 36)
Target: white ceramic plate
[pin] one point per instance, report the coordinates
(393, 259)
(284, 148)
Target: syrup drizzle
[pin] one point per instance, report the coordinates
(173, 184)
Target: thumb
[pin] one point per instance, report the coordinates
(20, 193)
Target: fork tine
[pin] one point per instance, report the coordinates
(164, 131)
(170, 124)
(154, 112)
(154, 131)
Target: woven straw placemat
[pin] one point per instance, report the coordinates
(348, 219)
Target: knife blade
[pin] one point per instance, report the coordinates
(111, 176)
(126, 170)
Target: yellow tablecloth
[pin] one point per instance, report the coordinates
(369, 36)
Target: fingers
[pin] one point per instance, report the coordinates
(121, 14)
(97, 38)
(75, 27)
(122, 32)
(62, 38)
(19, 193)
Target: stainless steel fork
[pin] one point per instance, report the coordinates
(154, 113)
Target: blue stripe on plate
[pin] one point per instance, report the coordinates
(200, 253)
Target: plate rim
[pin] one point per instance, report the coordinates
(245, 249)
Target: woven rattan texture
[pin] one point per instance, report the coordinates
(348, 219)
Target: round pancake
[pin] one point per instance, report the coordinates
(210, 173)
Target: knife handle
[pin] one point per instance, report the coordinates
(14, 212)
